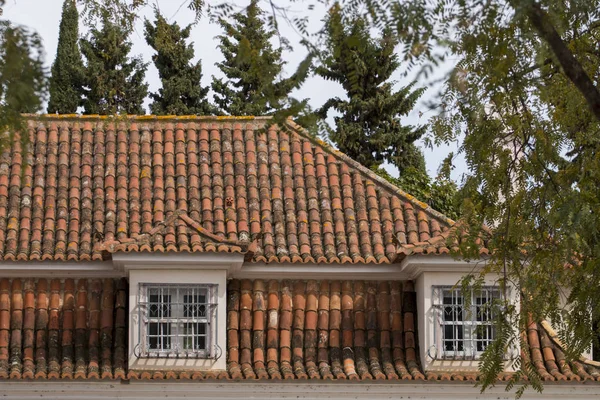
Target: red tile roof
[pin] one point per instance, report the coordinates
(327, 330)
(90, 186)
(549, 360)
(63, 329)
(322, 330)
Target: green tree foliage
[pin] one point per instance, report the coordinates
(439, 193)
(531, 146)
(114, 80)
(22, 75)
(252, 68)
(369, 128)
(66, 81)
(181, 92)
(23, 79)
(523, 101)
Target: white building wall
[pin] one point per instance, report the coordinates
(342, 390)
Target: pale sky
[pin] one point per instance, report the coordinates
(44, 17)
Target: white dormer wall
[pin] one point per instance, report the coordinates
(201, 268)
(429, 272)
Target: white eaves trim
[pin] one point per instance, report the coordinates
(232, 262)
(321, 271)
(121, 264)
(59, 269)
(342, 390)
(413, 266)
(409, 269)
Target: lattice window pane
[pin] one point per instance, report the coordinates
(484, 335)
(159, 305)
(177, 320)
(465, 331)
(453, 332)
(194, 305)
(195, 336)
(159, 336)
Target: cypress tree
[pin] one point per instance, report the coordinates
(369, 128)
(67, 70)
(181, 92)
(251, 67)
(114, 80)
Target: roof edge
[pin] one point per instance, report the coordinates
(371, 175)
(151, 117)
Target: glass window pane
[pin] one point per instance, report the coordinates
(200, 342)
(159, 336)
(177, 320)
(465, 329)
(194, 306)
(449, 332)
(195, 336)
(159, 305)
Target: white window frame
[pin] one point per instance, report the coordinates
(468, 324)
(174, 317)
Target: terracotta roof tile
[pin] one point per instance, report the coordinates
(317, 330)
(89, 186)
(62, 329)
(355, 330)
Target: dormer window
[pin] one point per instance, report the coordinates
(464, 325)
(177, 320)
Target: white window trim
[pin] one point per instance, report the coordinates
(171, 275)
(426, 279)
(469, 321)
(177, 319)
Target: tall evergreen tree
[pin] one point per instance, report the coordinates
(181, 92)
(369, 128)
(251, 67)
(67, 71)
(114, 80)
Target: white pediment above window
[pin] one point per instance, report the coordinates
(230, 263)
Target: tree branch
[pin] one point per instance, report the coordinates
(573, 69)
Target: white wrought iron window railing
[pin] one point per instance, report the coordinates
(177, 320)
(464, 326)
